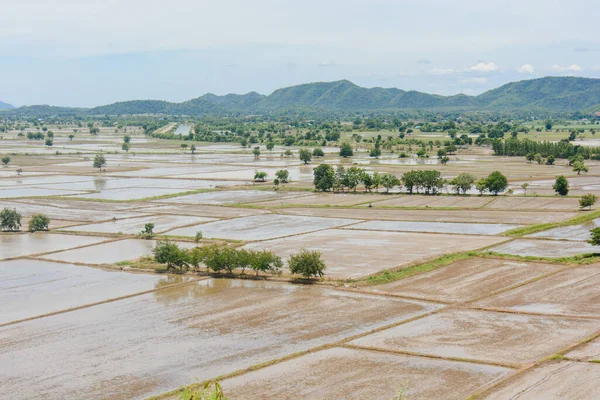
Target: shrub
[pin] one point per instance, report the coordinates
(307, 263)
(39, 222)
(10, 220)
(561, 186)
(148, 231)
(171, 254)
(587, 200)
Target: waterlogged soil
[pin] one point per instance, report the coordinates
(18, 245)
(130, 193)
(534, 203)
(587, 352)
(573, 291)
(435, 227)
(476, 216)
(341, 199)
(434, 201)
(11, 193)
(482, 335)
(153, 343)
(203, 210)
(362, 374)
(468, 279)
(29, 288)
(107, 253)
(161, 223)
(553, 381)
(232, 197)
(261, 227)
(355, 253)
(544, 248)
(574, 232)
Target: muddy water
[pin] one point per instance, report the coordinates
(29, 288)
(107, 253)
(156, 342)
(136, 225)
(544, 248)
(575, 232)
(230, 197)
(130, 194)
(435, 227)
(261, 227)
(17, 245)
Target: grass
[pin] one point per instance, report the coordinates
(391, 276)
(585, 216)
(578, 259)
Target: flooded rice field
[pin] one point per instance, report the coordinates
(155, 342)
(543, 248)
(232, 197)
(35, 243)
(435, 227)
(261, 227)
(574, 232)
(161, 223)
(29, 288)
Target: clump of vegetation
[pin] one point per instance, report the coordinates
(260, 176)
(561, 186)
(305, 156)
(5, 160)
(39, 222)
(587, 200)
(307, 263)
(463, 183)
(148, 231)
(198, 236)
(99, 161)
(10, 220)
(210, 391)
(346, 150)
(169, 253)
(282, 175)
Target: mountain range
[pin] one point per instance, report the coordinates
(549, 94)
(6, 106)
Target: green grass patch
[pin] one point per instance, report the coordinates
(579, 259)
(391, 276)
(585, 216)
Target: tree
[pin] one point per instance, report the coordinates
(524, 186)
(270, 146)
(463, 183)
(550, 160)
(10, 220)
(99, 161)
(48, 142)
(318, 152)
(5, 160)
(193, 148)
(305, 155)
(346, 150)
(389, 181)
(260, 176)
(441, 153)
(125, 147)
(283, 175)
(95, 130)
(579, 167)
(71, 136)
(587, 200)
(548, 124)
(184, 146)
(530, 157)
(307, 263)
(38, 222)
(496, 182)
(169, 253)
(198, 237)
(324, 177)
(444, 160)
(595, 240)
(256, 152)
(561, 186)
(126, 139)
(265, 261)
(148, 231)
(481, 186)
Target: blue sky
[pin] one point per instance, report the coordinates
(87, 53)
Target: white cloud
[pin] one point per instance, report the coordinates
(560, 68)
(484, 67)
(526, 69)
(479, 80)
(327, 63)
(441, 71)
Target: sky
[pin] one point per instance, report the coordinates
(87, 52)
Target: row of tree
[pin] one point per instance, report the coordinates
(10, 221)
(220, 258)
(561, 149)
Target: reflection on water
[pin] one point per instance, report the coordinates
(183, 129)
(197, 289)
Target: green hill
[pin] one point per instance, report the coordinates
(6, 106)
(550, 94)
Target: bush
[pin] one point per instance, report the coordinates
(561, 186)
(170, 254)
(496, 182)
(39, 222)
(148, 231)
(307, 263)
(318, 152)
(10, 220)
(587, 200)
(5, 160)
(346, 150)
(324, 177)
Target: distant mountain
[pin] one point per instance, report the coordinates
(550, 94)
(5, 106)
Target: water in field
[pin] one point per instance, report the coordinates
(183, 129)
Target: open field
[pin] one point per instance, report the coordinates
(430, 295)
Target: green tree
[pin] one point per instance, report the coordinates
(307, 263)
(198, 237)
(595, 240)
(389, 181)
(71, 136)
(193, 148)
(548, 124)
(270, 146)
(10, 220)
(260, 176)
(550, 160)
(530, 157)
(324, 177)
(463, 182)
(49, 142)
(441, 153)
(587, 200)
(346, 150)
(256, 152)
(538, 158)
(444, 160)
(95, 130)
(481, 186)
(318, 152)
(126, 139)
(579, 167)
(169, 253)
(148, 231)
(561, 186)
(305, 156)
(183, 146)
(5, 160)
(496, 182)
(283, 175)
(99, 161)
(38, 222)
(125, 147)
(265, 261)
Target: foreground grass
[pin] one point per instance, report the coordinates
(585, 216)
